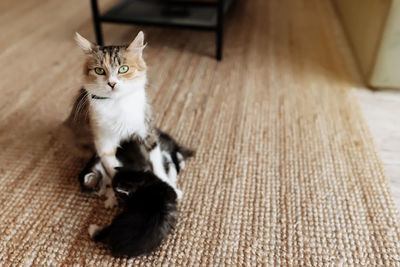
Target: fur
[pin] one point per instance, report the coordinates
(149, 206)
(116, 112)
(117, 103)
(173, 154)
(113, 107)
(78, 133)
(178, 153)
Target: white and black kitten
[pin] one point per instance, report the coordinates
(149, 205)
(173, 158)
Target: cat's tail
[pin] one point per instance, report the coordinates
(148, 217)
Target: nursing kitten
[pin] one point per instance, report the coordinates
(114, 98)
(149, 205)
(174, 156)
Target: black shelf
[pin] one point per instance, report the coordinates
(190, 15)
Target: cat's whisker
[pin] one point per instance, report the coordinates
(81, 104)
(85, 102)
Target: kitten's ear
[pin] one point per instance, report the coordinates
(85, 44)
(137, 45)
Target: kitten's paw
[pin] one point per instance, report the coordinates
(110, 203)
(104, 187)
(93, 230)
(103, 190)
(111, 200)
(181, 161)
(179, 193)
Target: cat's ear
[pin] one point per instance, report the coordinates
(137, 45)
(85, 44)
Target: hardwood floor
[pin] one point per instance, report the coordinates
(381, 110)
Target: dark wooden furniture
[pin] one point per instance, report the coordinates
(196, 15)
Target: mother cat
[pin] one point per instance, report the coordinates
(113, 100)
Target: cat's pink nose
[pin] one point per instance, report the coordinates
(111, 84)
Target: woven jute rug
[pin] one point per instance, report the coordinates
(286, 172)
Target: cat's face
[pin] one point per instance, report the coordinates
(113, 71)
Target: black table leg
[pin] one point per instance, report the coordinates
(96, 22)
(220, 28)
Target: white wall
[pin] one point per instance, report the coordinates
(373, 28)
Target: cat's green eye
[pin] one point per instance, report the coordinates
(123, 69)
(99, 71)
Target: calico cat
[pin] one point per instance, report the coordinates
(149, 205)
(113, 103)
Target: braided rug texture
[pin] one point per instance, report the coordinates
(286, 172)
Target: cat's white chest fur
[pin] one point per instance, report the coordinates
(114, 120)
